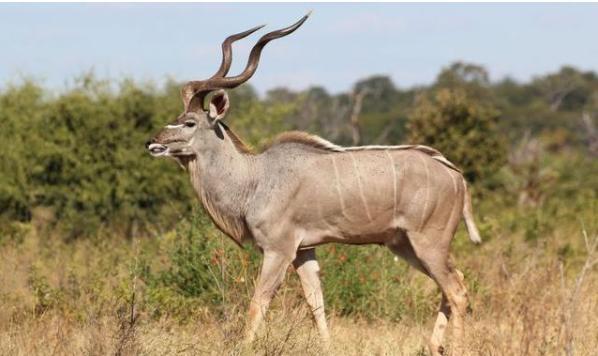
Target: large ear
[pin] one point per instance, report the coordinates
(219, 104)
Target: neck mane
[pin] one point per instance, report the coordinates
(240, 145)
(325, 146)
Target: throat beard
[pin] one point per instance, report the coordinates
(184, 161)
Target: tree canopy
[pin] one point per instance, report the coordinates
(78, 155)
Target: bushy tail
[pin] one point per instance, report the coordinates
(472, 230)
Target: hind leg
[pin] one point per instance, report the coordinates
(401, 247)
(444, 314)
(434, 256)
(437, 337)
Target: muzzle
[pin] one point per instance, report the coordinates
(156, 149)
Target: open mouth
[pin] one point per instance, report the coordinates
(157, 149)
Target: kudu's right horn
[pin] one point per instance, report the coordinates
(194, 92)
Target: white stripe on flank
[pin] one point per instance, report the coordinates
(338, 186)
(394, 184)
(365, 203)
(426, 185)
(452, 178)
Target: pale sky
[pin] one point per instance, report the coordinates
(338, 45)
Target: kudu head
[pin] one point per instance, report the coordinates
(199, 126)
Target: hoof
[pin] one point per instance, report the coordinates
(437, 350)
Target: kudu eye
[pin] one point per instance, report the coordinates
(189, 123)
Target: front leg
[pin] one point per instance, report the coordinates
(274, 267)
(308, 270)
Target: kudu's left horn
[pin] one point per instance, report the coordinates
(195, 92)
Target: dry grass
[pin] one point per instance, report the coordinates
(525, 300)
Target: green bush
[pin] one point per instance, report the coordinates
(368, 281)
(202, 269)
(81, 154)
(463, 129)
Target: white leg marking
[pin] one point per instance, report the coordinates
(394, 184)
(365, 203)
(338, 185)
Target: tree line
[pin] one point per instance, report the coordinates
(76, 160)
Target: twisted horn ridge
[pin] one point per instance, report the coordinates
(227, 51)
(256, 51)
(194, 92)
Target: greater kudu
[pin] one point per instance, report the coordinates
(303, 191)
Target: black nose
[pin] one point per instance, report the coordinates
(148, 143)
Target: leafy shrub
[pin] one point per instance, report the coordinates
(368, 281)
(463, 129)
(202, 270)
(46, 296)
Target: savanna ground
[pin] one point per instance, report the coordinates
(532, 287)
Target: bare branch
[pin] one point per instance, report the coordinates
(357, 97)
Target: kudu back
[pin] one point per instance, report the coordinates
(303, 191)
